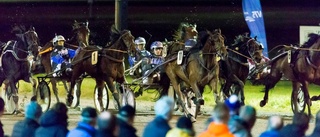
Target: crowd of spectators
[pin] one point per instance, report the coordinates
(228, 119)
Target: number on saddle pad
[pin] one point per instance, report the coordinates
(180, 57)
(94, 57)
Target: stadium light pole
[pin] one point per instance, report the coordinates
(121, 12)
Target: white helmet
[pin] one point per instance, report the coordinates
(156, 44)
(58, 38)
(140, 40)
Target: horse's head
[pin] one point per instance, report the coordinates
(128, 40)
(31, 38)
(216, 41)
(255, 49)
(82, 32)
(186, 31)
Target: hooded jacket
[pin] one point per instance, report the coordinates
(52, 124)
(217, 130)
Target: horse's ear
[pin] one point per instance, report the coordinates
(87, 23)
(255, 37)
(32, 28)
(114, 29)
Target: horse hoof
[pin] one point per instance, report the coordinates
(201, 101)
(262, 103)
(192, 118)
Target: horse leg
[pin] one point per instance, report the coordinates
(54, 88)
(114, 92)
(214, 88)
(100, 85)
(34, 85)
(306, 95)
(270, 82)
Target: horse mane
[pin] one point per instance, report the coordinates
(114, 36)
(312, 39)
(180, 33)
(240, 39)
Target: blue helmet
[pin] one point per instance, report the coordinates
(190, 43)
(156, 44)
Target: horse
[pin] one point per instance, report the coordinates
(80, 39)
(109, 66)
(234, 70)
(185, 31)
(200, 67)
(301, 71)
(15, 61)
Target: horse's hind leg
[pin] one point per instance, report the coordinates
(270, 82)
(54, 88)
(114, 92)
(100, 85)
(34, 85)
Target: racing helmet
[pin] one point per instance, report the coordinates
(156, 44)
(261, 46)
(140, 40)
(58, 38)
(190, 43)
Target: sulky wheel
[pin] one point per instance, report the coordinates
(299, 101)
(43, 95)
(76, 94)
(8, 100)
(105, 99)
(128, 98)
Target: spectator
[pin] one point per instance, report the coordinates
(298, 128)
(107, 125)
(316, 131)
(160, 125)
(86, 126)
(53, 123)
(28, 126)
(234, 105)
(1, 113)
(219, 126)
(125, 121)
(275, 123)
(184, 128)
(241, 126)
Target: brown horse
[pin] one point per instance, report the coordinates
(303, 69)
(15, 63)
(80, 39)
(199, 69)
(110, 64)
(185, 31)
(234, 69)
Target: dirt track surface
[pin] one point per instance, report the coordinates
(145, 114)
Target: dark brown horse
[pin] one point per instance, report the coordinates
(199, 69)
(79, 39)
(303, 69)
(15, 62)
(110, 64)
(234, 69)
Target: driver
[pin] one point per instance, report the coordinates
(142, 52)
(153, 61)
(253, 66)
(61, 56)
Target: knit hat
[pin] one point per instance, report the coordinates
(88, 113)
(184, 122)
(127, 111)
(233, 103)
(33, 110)
(164, 106)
